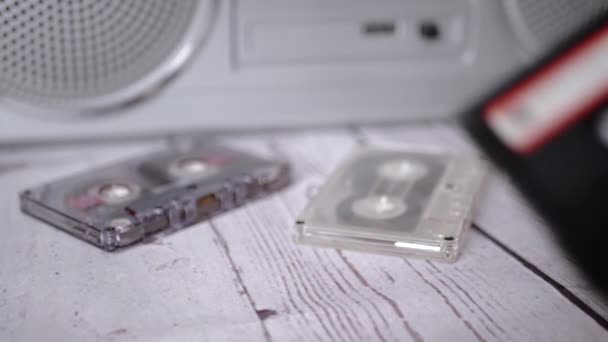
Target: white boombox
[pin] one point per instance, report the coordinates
(82, 69)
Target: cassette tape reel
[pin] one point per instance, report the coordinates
(117, 205)
(397, 201)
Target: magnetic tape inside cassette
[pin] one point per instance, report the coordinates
(395, 200)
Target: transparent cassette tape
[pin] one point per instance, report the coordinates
(395, 200)
(120, 204)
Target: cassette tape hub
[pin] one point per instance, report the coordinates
(395, 200)
(120, 204)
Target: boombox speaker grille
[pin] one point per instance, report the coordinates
(543, 23)
(87, 55)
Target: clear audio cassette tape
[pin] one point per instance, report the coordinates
(395, 200)
(120, 204)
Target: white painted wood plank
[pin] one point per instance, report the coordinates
(240, 277)
(474, 299)
(504, 214)
(55, 287)
(499, 291)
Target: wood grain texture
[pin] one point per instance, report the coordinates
(240, 277)
(495, 274)
(505, 215)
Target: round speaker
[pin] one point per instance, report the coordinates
(94, 56)
(540, 24)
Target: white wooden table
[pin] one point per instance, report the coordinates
(240, 277)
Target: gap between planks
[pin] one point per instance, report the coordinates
(349, 285)
(451, 135)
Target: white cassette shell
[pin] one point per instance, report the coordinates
(397, 200)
